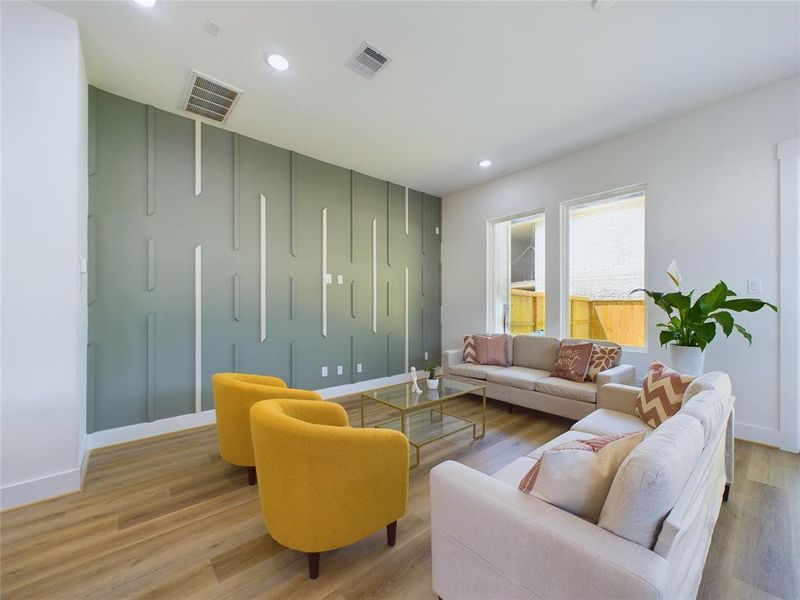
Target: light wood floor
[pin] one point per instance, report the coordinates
(167, 518)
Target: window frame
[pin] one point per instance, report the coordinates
(490, 259)
(564, 304)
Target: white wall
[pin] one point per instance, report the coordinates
(712, 203)
(44, 204)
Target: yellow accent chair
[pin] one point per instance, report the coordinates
(234, 394)
(323, 484)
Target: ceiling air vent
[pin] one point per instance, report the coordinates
(368, 60)
(210, 98)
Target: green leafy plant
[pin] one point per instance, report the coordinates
(695, 323)
(432, 369)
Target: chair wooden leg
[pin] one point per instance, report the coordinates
(391, 533)
(313, 565)
(251, 476)
(727, 492)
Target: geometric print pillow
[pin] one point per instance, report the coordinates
(470, 350)
(661, 395)
(603, 357)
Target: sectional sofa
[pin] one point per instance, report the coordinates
(527, 382)
(490, 540)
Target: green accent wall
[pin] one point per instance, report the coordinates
(145, 222)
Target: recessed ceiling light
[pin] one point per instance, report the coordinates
(483, 164)
(277, 61)
(146, 3)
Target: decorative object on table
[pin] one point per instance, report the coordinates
(692, 326)
(414, 386)
(573, 361)
(662, 394)
(470, 354)
(433, 373)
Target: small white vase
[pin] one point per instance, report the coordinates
(433, 384)
(687, 360)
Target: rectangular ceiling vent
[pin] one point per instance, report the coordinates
(368, 60)
(210, 98)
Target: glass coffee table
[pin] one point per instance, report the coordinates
(422, 418)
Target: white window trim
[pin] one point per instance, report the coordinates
(563, 242)
(490, 258)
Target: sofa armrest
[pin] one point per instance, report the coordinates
(452, 357)
(620, 374)
(619, 397)
(529, 545)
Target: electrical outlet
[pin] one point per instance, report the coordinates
(340, 279)
(359, 368)
(754, 286)
(328, 278)
(426, 356)
(324, 371)
(437, 231)
(339, 370)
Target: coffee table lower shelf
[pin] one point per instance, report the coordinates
(427, 426)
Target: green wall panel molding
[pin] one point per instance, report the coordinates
(145, 223)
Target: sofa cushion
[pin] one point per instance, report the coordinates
(662, 394)
(567, 436)
(518, 377)
(535, 351)
(650, 480)
(604, 421)
(710, 408)
(603, 358)
(576, 390)
(715, 380)
(473, 371)
(470, 354)
(573, 361)
(576, 476)
(491, 349)
(514, 471)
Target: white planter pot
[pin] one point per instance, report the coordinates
(687, 360)
(433, 384)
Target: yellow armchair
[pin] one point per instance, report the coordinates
(234, 394)
(322, 484)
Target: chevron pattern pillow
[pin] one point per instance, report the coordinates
(470, 350)
(661, 395)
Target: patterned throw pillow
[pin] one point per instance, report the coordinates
(661, 395)
(603, 357)
(492, 349)
(572, 361)
(577, 476)
(470, 350)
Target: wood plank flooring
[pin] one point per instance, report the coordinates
(167, 518)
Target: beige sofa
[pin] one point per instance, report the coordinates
(527, 382)
(490, 540)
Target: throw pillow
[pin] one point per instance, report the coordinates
(470, 350)
(576, 476)
(602, 358)
(572, 361)
(492, 349)
(661, 395)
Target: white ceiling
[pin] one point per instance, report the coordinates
(516, 82)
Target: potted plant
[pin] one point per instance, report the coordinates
(691, 326)
(433, 372)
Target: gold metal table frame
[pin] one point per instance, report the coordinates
(413, 407)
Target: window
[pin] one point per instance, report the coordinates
(604, 262)
(516, 274)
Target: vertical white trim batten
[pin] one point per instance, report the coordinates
(198, 328)
(263, 270)
(324, 272)
(198, 158)
(374, 275)
(405, 317)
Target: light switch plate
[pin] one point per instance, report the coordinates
(359, 368)
(328, 278)
(754, 286)
(84, 264)
(339, 370)
(426, 356)
(340, 279)
(437, 231)
(324, 371)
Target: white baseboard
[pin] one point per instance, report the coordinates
(760, 435)
(42, 488)
(361, 386)
(131, 433)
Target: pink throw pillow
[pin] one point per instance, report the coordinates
(492, 349)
